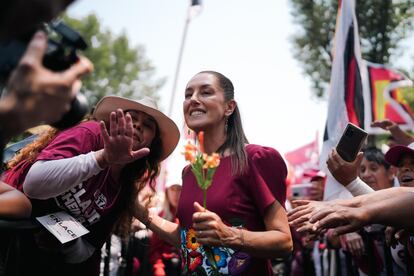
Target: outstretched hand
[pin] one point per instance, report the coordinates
(340, 218)
(385, 124)
(400, 136)
(119, 141)
(300, 215)
(354, 243)
(210, 229)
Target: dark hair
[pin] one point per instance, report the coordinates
(135, 176)
(235, 134)
(374, 154)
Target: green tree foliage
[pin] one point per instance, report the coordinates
(119, 68)
(383, 24)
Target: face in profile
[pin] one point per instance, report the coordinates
(375, 175)
(405, 171)
(204, 104)
(173, 195)
(145, 128)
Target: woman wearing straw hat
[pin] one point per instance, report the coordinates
(245, 224)
(94, 171)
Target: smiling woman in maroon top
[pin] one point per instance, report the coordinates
(245, 224)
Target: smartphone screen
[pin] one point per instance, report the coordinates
(351, 142)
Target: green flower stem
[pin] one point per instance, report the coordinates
(205, 199)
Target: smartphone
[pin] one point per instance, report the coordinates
(351, 142)
(301, 191)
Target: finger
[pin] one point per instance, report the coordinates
(129, 128)
(198, 207)
(329, 221)
(35, 50)
(82, 67)
(361, 247)
(336, 158)
(298, 215)
(201, 226)
(208, 241)
(351, 248)
(299, 221)
(329, 161)
(300, 202)
(202, 233)
(113, 126)
(299, 211)
(306, 228)
(359, 158)
(200, 214)
(140, 153)
(200, 217)
(104, 132)
(320, 215)
(121, 121)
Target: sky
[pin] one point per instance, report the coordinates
(248, 41)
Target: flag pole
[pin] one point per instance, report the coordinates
(193, 11)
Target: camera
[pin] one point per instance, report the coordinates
(61, 53)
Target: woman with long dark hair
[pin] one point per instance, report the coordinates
(245, 224)
(93, 172)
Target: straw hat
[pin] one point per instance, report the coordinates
(169, 132)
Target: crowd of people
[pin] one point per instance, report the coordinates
(102, 173)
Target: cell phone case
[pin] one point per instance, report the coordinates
(351, 142)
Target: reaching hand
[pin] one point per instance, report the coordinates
(385, 124)
(344, 172)
(36, 94)
(300, 215)
(354, 244)
(210, 229)
(342, 219)
(118, 143)
(400, 136)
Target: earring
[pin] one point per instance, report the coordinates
(226, 124)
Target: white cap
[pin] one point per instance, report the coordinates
(172, 182)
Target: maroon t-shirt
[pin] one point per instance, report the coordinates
(239, 201)
(96, 201)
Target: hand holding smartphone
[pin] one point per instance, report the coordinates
(351, 142)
